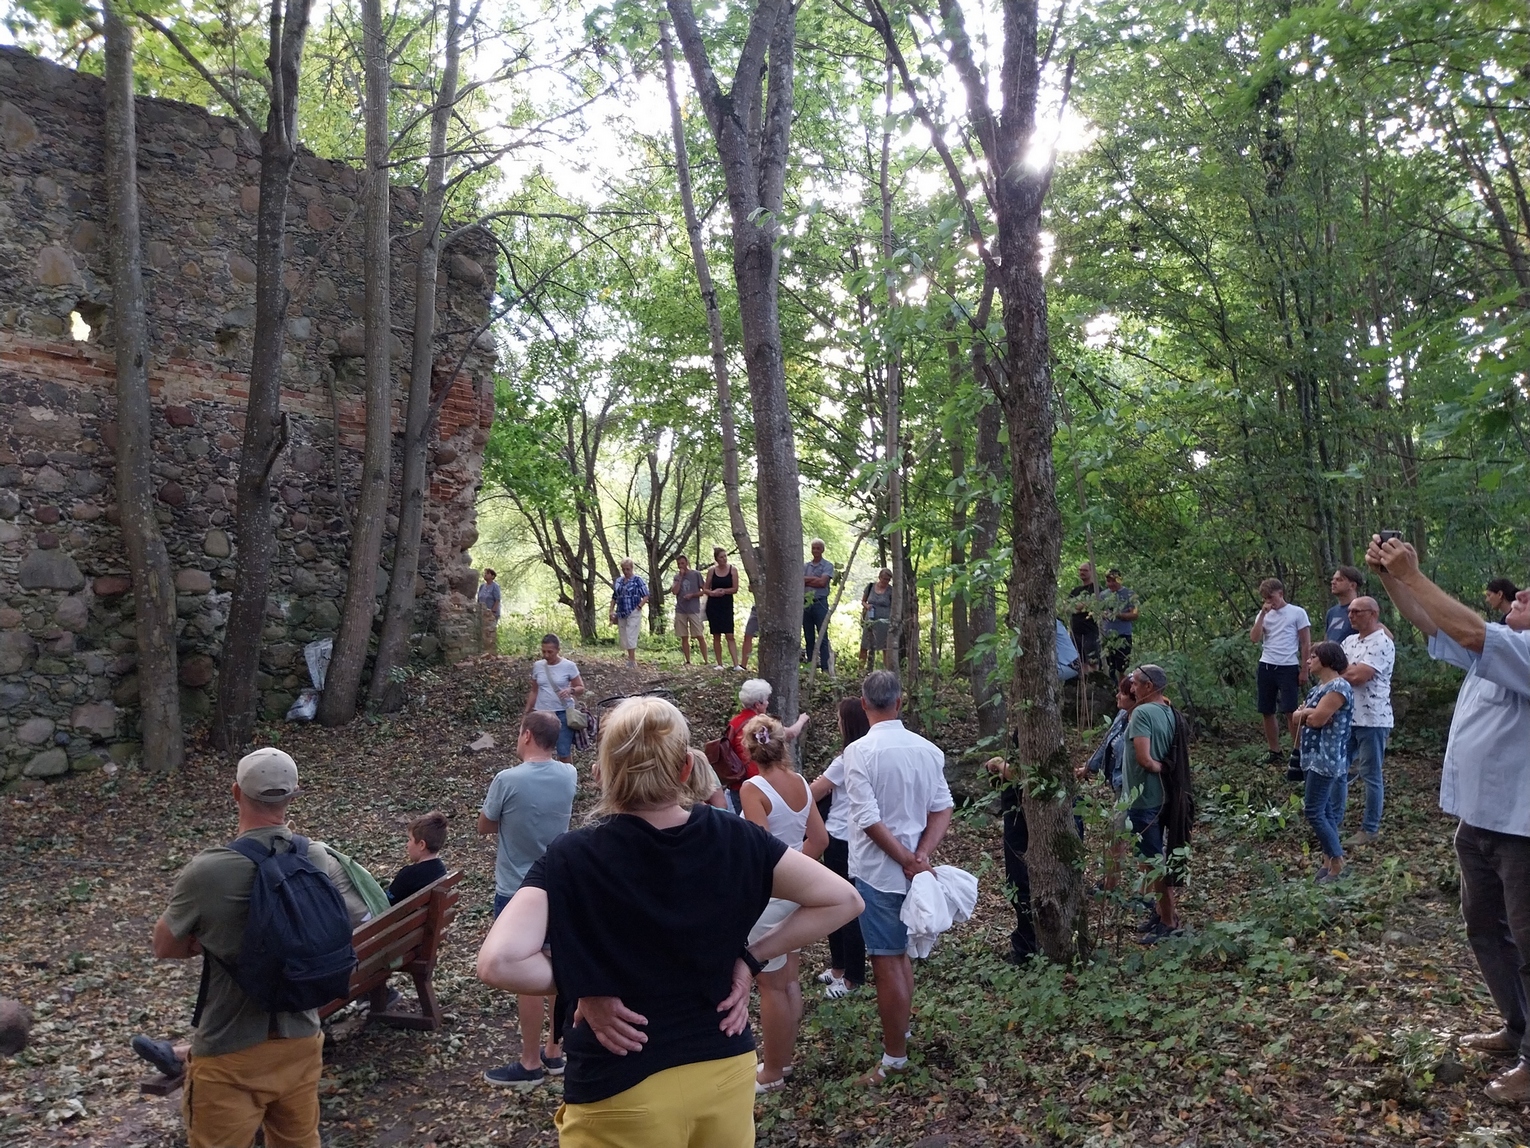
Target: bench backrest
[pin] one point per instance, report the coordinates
(408, 932)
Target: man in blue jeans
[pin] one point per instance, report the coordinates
(1485, 783)
(526, 807)
(1371, 653)
(900, 809)
(816, 577)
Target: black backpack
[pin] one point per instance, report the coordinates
(296, 953)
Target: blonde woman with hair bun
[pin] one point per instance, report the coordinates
(777, 799)
(642, 918)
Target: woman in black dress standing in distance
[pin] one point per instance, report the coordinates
(722, 584)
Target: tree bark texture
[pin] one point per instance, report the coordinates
(742, 543)
(265, 431)
(148, 561)
(342, 687)
(892, 408)
(398, 613)
(750, 125)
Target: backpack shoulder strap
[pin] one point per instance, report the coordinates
(252, 850)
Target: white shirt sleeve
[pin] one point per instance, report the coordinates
(941, 798)
(864, 810)
(1505, 659)
(835, 774)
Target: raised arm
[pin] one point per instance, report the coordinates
(1460, 622)
(511, 957)
(1256, 635)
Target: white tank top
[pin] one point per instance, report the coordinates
(785, 825)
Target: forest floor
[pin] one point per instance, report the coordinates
(1289, 1014)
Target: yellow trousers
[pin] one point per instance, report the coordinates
(274, 1084)
(705, 1105)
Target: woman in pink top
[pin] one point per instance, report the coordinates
(778, 800)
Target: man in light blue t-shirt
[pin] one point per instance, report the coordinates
(527, 806)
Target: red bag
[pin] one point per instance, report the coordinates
(731, 769)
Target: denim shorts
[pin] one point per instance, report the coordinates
(881, 926)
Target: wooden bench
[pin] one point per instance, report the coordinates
(405, 939)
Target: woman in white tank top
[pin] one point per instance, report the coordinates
(778, 800)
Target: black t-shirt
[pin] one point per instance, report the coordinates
(656, 917)
(412, 878)
(1085, 625)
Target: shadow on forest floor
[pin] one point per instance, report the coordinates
(1289, 1015)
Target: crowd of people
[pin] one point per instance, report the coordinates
(704, 606)
(634, 940)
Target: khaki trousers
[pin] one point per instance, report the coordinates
(274, 1084)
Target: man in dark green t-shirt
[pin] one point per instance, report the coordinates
(1151, 731)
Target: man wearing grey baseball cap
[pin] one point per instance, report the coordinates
(249, 1067)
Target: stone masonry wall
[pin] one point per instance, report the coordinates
(68, 688)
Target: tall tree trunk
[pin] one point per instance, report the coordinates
(1055, 853)
(961, 638)
(893, 403)
(265, 427)
(741, 540)
(398, 613)
(751, 125)
(987, 476)
(148, 561)
(343, 684)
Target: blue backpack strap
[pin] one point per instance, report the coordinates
(252, 851)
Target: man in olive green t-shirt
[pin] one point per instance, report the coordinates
(248, 1068)
(1151, 732)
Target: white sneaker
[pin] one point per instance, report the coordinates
(826, 977)
(837, 988)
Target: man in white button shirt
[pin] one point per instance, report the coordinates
(1371, 653)
(900, 809)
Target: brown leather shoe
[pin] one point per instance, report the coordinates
(1502, 1042)
(1513, 1087)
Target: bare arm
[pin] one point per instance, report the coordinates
(1256, 635)
(487, 828)
(511, 957)
(756, 805)
(1144, 747)
(1359, 673)
(934, 833)
(882, 837)
(1322, 713)
(820, 787)
(827, 901)
(1304, 642)
(169, 947)
(576, 685)
(1459, 621)
(531, 700)
(817, 839)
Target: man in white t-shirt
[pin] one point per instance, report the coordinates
(900, 809)
(1285, 633)
(1371, 653)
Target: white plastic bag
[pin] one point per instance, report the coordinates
(306, 708)
(316, 654)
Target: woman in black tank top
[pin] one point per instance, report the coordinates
(722, 585)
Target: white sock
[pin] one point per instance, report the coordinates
(894, 1061)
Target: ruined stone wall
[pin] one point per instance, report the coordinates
(67, 666)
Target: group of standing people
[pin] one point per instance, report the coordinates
(650, 923)
(1339, 732)
(1102, 623)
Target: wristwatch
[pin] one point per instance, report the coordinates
(756, 966)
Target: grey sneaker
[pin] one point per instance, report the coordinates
(1363, 837)
(514, 1075)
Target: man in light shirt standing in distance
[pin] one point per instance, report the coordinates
(1285, 632)
(900, 809)
(816, 577)
(1371, 653)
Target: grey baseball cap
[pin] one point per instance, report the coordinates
(268, 774)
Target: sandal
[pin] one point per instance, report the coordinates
(761, 1087)
(881, 1075)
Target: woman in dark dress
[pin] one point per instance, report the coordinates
(722, 585)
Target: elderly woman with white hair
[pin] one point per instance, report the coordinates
(753, 700)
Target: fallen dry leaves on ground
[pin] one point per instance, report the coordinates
(1290, 1015)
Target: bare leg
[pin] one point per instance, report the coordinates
(1271, 733)
(717, 648)
(531, 1009)
(780, 1016)
(732, 651)
(748, 643)
(552, 1048)
(895, 994)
